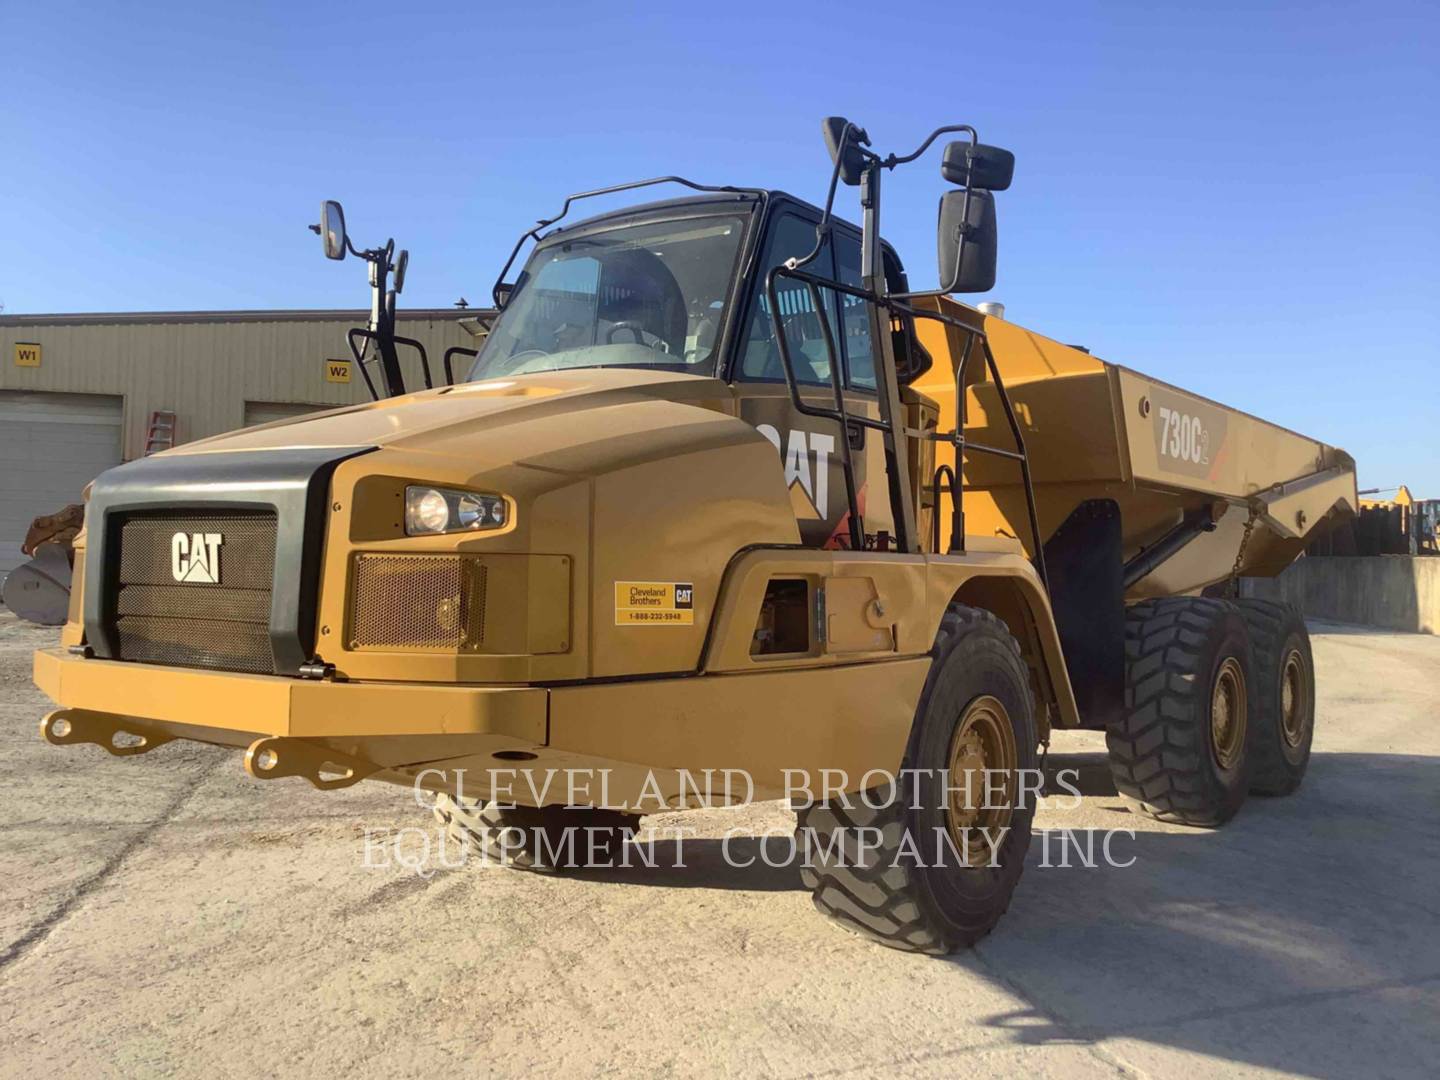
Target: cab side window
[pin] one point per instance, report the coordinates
(855, 317)
(790, 237)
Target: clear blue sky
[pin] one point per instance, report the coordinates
(1241, 198)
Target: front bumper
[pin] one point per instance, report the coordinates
(645, 737)
(235, 709)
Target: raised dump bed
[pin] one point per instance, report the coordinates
(1190, 477)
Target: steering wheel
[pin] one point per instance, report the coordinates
(632, 325)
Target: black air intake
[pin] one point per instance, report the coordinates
(193, 589)
(209, 560)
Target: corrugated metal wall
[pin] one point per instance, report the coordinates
(205, 367)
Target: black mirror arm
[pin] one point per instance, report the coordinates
(349, 245)
(892, 161)
(822, 230)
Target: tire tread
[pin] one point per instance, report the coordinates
(1157, 751)
(882, 901)
(1270, 622)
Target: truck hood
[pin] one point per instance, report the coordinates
(426, 420)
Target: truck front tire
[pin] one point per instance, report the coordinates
(1180, 753)
(884, 866)
(1283, 723)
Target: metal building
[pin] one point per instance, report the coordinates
(80, 393)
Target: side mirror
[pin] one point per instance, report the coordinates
(400, 266)
(503, 292)
(854, 162)
(978, 166)
(967, 242)
(332, 229)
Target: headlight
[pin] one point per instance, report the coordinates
(431, 510)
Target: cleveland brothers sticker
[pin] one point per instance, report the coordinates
(654, 603)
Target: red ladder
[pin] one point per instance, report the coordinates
(161, 435)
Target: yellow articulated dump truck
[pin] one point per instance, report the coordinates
(722, 494)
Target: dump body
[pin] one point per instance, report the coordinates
(1098, 431)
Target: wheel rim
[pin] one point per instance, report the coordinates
(1292, 698)
(982, 746)
(1228, 713)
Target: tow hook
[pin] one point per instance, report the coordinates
(276, 757)
(120, 735)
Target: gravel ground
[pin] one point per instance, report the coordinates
(165, 914)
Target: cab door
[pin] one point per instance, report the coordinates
(808, 449)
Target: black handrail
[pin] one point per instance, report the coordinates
(359, 355)
(424, 358)
(840, 416)
(371, 335)
(454, 350)
(957, 515)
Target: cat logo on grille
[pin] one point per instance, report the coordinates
(195, 557)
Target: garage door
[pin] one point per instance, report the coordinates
(265, 412)
(51, 446)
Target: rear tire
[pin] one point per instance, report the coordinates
(544, 839)
(976, 707)
(1283, 723)
(1180, 752)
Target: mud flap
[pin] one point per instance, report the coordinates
(1088, 596)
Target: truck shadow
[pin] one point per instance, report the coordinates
(767, 864)
(1087, 773)
(736, 864)
(1301, 937)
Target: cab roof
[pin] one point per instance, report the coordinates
(748, 200)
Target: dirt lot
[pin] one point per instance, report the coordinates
(166, 914)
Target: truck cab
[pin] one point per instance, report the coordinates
(678, 286)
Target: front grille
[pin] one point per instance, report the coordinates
(214, 616)
(418, 602)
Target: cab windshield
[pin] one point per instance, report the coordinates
(650, 295)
